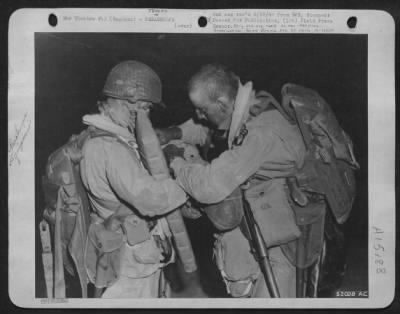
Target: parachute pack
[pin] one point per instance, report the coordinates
(330, 163)
(327, 177)
(66, 214)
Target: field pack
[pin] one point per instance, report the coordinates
(66, 214)
(330, 163)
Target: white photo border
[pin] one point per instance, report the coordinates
(24, 23)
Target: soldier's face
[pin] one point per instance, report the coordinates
(123, 112)
(134, 107)
(218, 112)
(119, 112)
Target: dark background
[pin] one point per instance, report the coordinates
(70, 70)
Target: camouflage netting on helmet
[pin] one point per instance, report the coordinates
(133, 81)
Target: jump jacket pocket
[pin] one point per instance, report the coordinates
(273, 213)
(236, 263)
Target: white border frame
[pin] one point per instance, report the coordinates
(23, 24)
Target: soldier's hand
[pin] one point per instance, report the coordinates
(168, 134)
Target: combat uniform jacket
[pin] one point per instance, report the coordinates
(112, 173)
(271, 150)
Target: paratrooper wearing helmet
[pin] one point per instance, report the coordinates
(126, 251)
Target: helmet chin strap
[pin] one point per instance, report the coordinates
(132, 124)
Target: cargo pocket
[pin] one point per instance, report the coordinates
(273, 213)
(147, 252)
(102, 255)
(236, 263)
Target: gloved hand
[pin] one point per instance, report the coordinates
(167, 134)
(172, 151)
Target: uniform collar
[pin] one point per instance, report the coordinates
(102, 122)
(245, 98)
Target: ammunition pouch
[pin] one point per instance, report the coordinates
(105, 248)
(228, 214)
(273, 212)
(102, 255)
(135, 229)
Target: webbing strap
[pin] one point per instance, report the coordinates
(277, 106)
(47, 256)
(59, 280)
(302, 124)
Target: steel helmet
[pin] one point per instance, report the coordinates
(133, 80)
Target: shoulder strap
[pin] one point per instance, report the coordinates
(95, 132)
(76, 142)
(271, 100)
